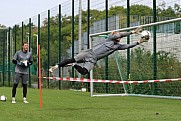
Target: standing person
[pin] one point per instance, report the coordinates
(22, 59)
(90, 56)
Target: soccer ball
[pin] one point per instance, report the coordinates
(145, 35)
(3, 98)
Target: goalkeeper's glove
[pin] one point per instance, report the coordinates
(24, 63)
(27, 63)
(136, 31)
(53, 68)
(21, 64)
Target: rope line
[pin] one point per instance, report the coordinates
(110, 81)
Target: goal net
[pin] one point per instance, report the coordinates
(151, 69)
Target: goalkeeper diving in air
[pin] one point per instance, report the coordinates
(90, 56)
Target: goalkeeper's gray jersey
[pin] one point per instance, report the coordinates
(107, 47)
(19, 57)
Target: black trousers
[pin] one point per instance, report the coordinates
(81, 70)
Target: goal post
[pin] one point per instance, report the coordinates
(168, 42)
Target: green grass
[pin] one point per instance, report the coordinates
(60, 105)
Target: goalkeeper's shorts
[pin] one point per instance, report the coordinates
(22, 77)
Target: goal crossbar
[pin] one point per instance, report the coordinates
(145, 25)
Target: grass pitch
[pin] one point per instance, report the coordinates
(64, 105)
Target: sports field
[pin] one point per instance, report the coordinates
(60, 105)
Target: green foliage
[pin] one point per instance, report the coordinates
(140, 10)
(169, 11)
(116, 10)
(18, 37)
(140, 58)
(177, 9)
(168, 65)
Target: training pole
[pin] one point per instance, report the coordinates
(39, 78)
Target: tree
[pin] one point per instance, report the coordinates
(166, 12)
(117, 10)
(177, 9)
(141, 10)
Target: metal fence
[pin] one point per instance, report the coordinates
(57, 31)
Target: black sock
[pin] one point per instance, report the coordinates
(24, 90)
(81, 70)
(14, 90)
(67, 61)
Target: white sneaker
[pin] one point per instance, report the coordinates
(13, 100)
(24, 100)
(53, 68)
